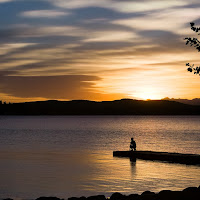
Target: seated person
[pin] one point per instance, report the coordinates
(133, 145)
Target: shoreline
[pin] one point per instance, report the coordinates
(189, 193)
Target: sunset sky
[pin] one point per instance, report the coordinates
(97, 49)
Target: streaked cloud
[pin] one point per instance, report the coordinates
(9, 47)
(111, 36)
(44, 13)
(145, 6)
(41, 31)
(172, 20)
(126, 6)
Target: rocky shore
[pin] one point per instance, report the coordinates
(190, 193)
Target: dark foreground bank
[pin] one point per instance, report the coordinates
(190, 193)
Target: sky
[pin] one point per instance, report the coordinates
(97, 50)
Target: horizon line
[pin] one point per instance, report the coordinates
(61, 100)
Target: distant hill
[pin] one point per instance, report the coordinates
(84, 107)
(195, 101)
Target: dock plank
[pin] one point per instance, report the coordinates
(192, 159)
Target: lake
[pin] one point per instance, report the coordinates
(67, 156)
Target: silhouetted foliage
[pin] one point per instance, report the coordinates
(196, 43)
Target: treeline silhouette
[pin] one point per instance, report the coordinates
(84, 107)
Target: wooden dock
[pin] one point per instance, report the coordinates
(190, 159)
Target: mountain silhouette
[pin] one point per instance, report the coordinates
(85, 107)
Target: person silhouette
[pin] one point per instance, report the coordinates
(132, 145)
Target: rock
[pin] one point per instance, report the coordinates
(98, 197)
(73, 198)
(117, 196)
(191, 193)
(164, 192)
(82, 198)
(8, 199)
(77, 198)
(132, 197)
(170, 195)
(177, 195)
(148, 195)
(191, 190)
(48, 198)
(198, 188)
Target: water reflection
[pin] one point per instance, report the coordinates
(72, 156)
(133, 168)
(156, 176)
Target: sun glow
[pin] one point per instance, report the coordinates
(148, 94)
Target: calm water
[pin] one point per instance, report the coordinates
(72, 156)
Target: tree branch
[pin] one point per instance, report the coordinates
(196, 29)
(191, 68)
(193, 41)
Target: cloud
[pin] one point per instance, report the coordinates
(101, 53)
(44, 13)
(5, 1)
(10, 47)
(52, 87)
(28, 31)
(148, 5)
(37, 33)
(55, 31)
(74, 4)
(121, 44)
(172, 20)
(111, 36)
(125, 6)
